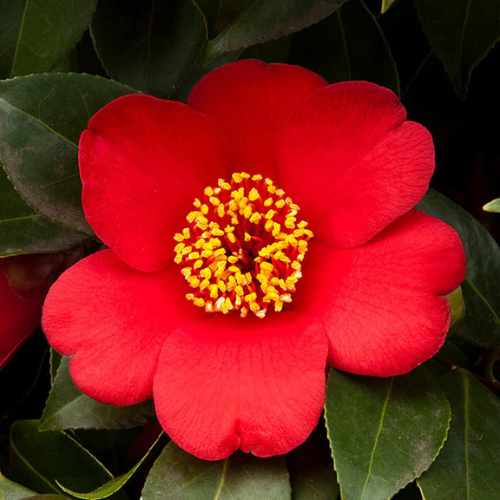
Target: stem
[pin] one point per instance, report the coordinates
(492, 384)
(489, 366)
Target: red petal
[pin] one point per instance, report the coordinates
(250, 101)
(143, 161)
(19, 318)
(114, 320)
(382, 303)
(229, 383)
(349, 160)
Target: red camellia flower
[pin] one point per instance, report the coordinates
(255, 236)
(19, 316)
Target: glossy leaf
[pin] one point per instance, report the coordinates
(41, 119)
(150, 45)
(112, 486)
(467, 467)
(383, 432)
(386, 4)
(481, 288)
(25, 231)
(41, 458)
(37, 34)
(461, 32)
(68, 408)
(265, 20)
(9, 490)
(348, 45)
(177, 475)
(312, 476)
(492, 206)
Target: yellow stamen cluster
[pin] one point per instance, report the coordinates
(243, 247)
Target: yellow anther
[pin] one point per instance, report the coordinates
(232, 261)
(247, 212)
(255, 218)
(198, 302)
(194, 282)
(253, 195)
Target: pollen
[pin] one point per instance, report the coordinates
(242, 249)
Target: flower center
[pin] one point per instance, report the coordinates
(242, 249)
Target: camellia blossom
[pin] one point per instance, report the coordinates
(256, 235)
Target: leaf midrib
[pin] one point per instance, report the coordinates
(384, 408)
(19, 38)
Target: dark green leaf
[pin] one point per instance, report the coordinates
(113, 485)
(37, 34)
(13, 491)
(384, 432)
(25, 231)
(150, 45)
(348, 45)
(68, 408)
(481, 288)
(312, 476)
(177, 475)
(467, 467)
(41, 119)
(265, 20)
(41, 458)
(461, 32)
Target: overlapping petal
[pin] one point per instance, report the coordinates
(143, 161)
(352, 163)
(255, 385)
(114, 320)
(382, 303)
(250, 100)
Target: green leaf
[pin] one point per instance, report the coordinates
(41, 458)
(461, 32)
(177, 475)
(41, 119)
(312, 476)
(25, 231)
(481, 288)
(150, 45)
(348, 45)
(68, 408)
(115, 484)
(265, 20)
(13, 491)
(37, 34)
(386, 4)
(467, 466)
(492, 206)
(384, 432)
